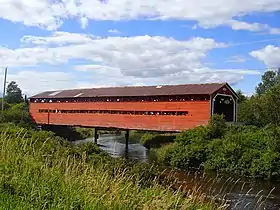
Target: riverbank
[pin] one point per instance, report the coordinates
(246, 151)
(41, 170)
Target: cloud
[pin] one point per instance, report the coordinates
(269, 55)
(58, 38)
(275, 31)
(149, 54)
(43, 13)
(240, 25)
(32, 82)
(84, 22)
(51, 14)
(114, 61)
(114, 31)
(236, 59)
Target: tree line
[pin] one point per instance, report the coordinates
(263, 108)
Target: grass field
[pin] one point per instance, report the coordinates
(41, 171)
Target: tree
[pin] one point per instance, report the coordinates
(18, 114)
(14, 94)
(262, 110)
(241, 96)
(269, 80)
(249, 111)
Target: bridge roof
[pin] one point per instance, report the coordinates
(187, 89)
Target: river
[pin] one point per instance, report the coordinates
(240, 193)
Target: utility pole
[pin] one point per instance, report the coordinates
(4, 89)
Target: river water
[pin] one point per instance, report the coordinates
(239, 193)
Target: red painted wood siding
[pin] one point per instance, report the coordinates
(199, 114)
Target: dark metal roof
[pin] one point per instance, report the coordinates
(188, 89)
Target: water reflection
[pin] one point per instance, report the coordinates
(115, 146)
(243, 194)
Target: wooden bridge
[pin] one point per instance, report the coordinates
(171, 108)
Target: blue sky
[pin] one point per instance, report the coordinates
(64, 44)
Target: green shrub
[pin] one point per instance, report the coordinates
(217, 126)
(19, 114)
(163, 154)
(156, 140)
(188, 151)
(85, 132)
(193, 135)
(240, 149)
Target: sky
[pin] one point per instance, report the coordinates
(61, 44)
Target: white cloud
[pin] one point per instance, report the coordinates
(51, 14)
(149, 55)
(269, 55)
(43, 13)
(114, 31)
(275, 31)
(58, 38)
(240, 25)
(236, 59)
(84, 22)
(115, 61)
(32, 82)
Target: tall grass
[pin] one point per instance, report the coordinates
(40, 171)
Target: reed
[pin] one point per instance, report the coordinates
(40, 172)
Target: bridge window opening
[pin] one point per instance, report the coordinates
(116, 112)
(124, 99)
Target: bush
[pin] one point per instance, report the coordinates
(18, 114)
(248, 153)
(85, 132)
(243, 150)
(156, 140)
(163, 154)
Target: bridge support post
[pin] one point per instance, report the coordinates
(95, 135)
(126, 138)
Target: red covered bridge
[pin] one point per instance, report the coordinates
(155, 108)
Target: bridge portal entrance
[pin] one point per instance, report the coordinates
(224, 104)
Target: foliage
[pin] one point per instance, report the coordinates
(244, 150)
(6, 105)
(250, 152)
(247, 112)
(14, 93)
(70, 133)
(217, 126)
(41, 171)
(85, 132)
(19, 114)
(269, 80)
(187, 151)
(241, 96)
(150, 140)
(262, 110)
